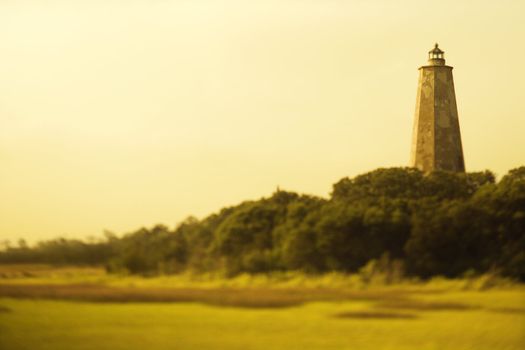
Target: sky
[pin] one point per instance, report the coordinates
(119, 114)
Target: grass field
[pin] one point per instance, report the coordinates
(53, 310)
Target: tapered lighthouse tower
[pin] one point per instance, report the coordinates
(436, 140)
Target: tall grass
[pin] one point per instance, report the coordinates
(372, 276)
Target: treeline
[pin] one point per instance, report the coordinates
(436, 224)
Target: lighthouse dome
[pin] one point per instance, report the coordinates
(436, 56)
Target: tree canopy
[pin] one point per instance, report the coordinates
(435, 224)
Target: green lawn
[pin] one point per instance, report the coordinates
(253, 312)
(39, 324)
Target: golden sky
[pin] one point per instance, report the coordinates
(118, 114)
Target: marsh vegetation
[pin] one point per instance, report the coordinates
(84, 308)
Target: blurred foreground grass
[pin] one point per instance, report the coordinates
(289, 311)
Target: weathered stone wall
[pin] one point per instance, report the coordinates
(436, 141)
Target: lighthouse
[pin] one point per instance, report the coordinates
(436, 140)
